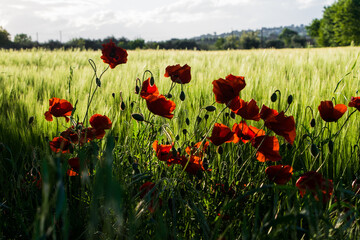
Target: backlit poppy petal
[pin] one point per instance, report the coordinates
(227, 89)
(178, 74)
(99, 121)
(280, 174)
(221, 134)
(355, 102)
(147, 89)
(113, 55)
(329, 113)
(159, 105)
(267, 148)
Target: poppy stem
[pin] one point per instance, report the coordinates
(347, 119)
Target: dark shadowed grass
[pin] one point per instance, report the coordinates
(106, 204)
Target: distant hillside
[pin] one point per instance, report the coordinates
(266, 32)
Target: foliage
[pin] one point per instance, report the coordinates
(339, 24)
(4, 38)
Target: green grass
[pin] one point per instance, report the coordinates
(108, 204)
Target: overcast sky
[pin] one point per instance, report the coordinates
(150, 19)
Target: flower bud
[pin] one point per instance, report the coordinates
(137, 89)
(113, 95)
(331, 146)
(138, 117)
(152, 81)
(232, 115)
(273, 97)
(182, 96)
(198, 119)
(184, 131)
(290, 99)
(210, 108)
(220, 150)
(314, 150)
(98, 82)
(169, 95)
(31, 119)
(187, 121)
(206, 116)
(122, 106)
(312, 122)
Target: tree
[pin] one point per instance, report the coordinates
(4, 38)
(286, 35)
(250, 40)
(23, 41)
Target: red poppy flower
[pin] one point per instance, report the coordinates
(314, 183)
(279, 123)
(163, 153)
(113, 55)
(355, 102)
(329, 113)
(74, 163)
(58, 108)
(245, 133)
(99, 122)
(227, 89)
(60, 144)
(198, 149)
(71, 173)
(155, 201)
(178, 74)
(247, 110)
(280, 174)
(267, 148)
(159, 105)
(221, 134)
(71, 135)
(147, 90)
(193, 164)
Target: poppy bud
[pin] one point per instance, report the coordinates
(98, 82)
(113, 95)
(116, 138)
(273, 97)
(314, 150)
(232, 115)
(31, 119)
(312, 122)
(210, 108)
(206, 116)
(205, 164)
(132, 104)
(177, 137)
(198, 119)
(122, 106)
(184, 131)
(169, 95)
(173, 151)
(152, 81)
(331, 146)
(138, 117)
(137, 89)
(227, 114)
(182, 96)
(220, 150)
(187, 121)
(290, 99)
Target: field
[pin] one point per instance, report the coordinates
(235, 200)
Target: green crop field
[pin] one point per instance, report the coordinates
(106, 203)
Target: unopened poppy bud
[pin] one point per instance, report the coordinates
(210, 108)
(187, 121)
(206, 116)
(122, 106)
(312, 122)
(177, 137)
(220, 150)
(169, 95)
(290, 99)
(113, 95)
(116, 138)
(331, 146)
(182, 96)
(198, 119)
(227, 114)
(184, 131)
(137, 89)
(138, 117)
(173, 151)
(232, 115)
(314, 150)
(131, 104)
(273, 97)
(31, 119)
(152, 81)
(98, 82)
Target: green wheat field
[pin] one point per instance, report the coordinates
(108, 206)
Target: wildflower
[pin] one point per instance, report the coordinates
(267, 148)
(280, 174)
(245, 133)
(279, 123)
(71, 173)
(74, 163)
(329, 113)
(247, 110)
(163, 153)
(148, 90)
(60, 144)
(113, 55)
(355, 102)
(99, 122)
(58, 108)
(155, 200)
(221, 134)
(227, 89)
(159, 105)
(314, 183)
(178, 74)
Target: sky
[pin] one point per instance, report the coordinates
(152, 20)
